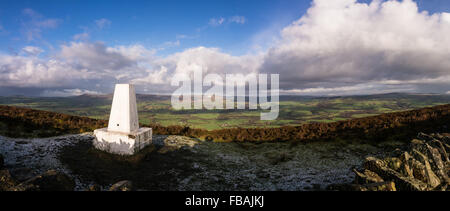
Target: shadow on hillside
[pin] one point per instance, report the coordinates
(147, 169)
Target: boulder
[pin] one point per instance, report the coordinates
(49, 181)
(124, 185)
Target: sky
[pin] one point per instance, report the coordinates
(319, 47)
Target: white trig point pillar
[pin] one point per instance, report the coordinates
(123, 135)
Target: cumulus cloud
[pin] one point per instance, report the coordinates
(344, 43)
(338, 47)
(102, 23)
(78, 65)
(22, 71)
(93, 56)
(210, 60)
(32, 50)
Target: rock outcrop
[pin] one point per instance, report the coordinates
(424, 166)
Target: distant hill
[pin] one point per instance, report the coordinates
(24, 122)
(294, 110)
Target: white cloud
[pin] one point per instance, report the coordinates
(344, 43)
(48, 23)
(212, 60)
(338, 47)
(181, 36)
(238, 19)
(216, 21)
(68, 93)
(134, 52)
(170, 44)
(102, 23)
(93, 56)
(77, 65)
(158, 77)
(20, 71)
(234, 19)
(32, 50)
(360, 89)
(82, 36)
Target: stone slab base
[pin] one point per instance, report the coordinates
(122, 143)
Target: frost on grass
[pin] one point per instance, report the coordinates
(182, 163)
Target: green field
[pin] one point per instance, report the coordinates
(294, 110)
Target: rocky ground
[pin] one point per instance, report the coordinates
(182, 163)
(26, 159)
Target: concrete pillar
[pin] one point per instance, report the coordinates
(124, 116)
(123, 135)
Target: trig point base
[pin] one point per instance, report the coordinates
(123, 135)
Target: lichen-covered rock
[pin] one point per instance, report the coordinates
(124, 185)
(367, 177)
(406, 168)
(405, 183)
(418, 170)
(429, 176)
(49, 181)
(393, 163)
(425, 166)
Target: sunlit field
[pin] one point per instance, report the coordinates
(294, 110)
